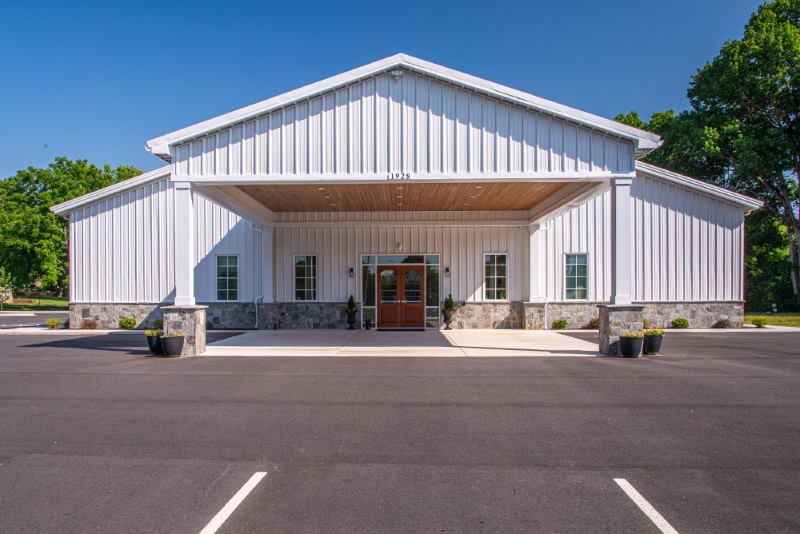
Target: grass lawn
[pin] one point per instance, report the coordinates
(42, 304)
(776, 319)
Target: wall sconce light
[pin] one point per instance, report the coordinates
(399, 246)
(351, 272)
(447, 272)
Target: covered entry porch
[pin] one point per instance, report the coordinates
(427, 343)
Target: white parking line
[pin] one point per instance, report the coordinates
(232, 504)
(645, 506)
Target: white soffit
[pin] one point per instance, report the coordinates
(643, 141)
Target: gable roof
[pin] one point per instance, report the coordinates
(111, 190)
(643, 141)
(666, 175)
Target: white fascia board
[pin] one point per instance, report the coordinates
(344, 178)
(131, 183)
(700, 186)
(643, 141)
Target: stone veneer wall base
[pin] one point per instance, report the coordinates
(189, 321)
(296, 315)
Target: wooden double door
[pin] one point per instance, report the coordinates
(401, 296)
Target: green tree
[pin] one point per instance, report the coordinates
(767, 265)
(35, 240)
(749, 99)
(5, 287)
(743, 130)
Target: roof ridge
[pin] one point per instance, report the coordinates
(644, 140)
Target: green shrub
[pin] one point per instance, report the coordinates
(722, 323)
(448, 303)
(351, 305)
(760, 322)
(680, 322)
(646, 323)
(52, 324)
(636, 334)
(559, 324)
(89, 324)
(158, 324)
(127, 323)
(165, 336)
(594, 323)
(153, 333)
(654, 332)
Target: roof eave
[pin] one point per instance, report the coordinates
(65, 208)
(748, 203)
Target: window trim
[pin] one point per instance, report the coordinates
(507, 277)
(564, 278)
(216, 277)
(316, 277)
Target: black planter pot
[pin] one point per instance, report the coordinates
(154, 344)
(173, 346)
(351, 321)
(652, 344)
(448, 319)
(367, 324)
(631, 347)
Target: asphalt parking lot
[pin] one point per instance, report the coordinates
(97, 437)
(18, 319)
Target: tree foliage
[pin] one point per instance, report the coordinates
(742, 132)
(35, 240)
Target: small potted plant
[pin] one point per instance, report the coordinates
(630, 343)
(154, 342)
(652, 340)
(351, 313)
(172, 344)
(447, 312)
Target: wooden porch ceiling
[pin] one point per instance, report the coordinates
(403, 196)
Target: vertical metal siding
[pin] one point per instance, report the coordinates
(687, 246)
(340, 247)
(413, 124)
(122, 248)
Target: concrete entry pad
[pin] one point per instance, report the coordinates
(453, 343)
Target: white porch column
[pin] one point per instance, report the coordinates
(184, 244)
(536, 291)
(621, 249)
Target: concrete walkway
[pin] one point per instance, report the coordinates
(453, 343)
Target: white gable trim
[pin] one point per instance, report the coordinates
(748, 203)
(643, 141)
(100, 194)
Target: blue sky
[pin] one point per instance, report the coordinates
(96, 80)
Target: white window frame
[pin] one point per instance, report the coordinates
(507, 277)
(564, 265)
(238, 277)
(316, 277)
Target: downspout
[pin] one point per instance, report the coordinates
(254, 228)
(255, 305)
(546, 322)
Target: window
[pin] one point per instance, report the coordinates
(227, 277)
(575, 272)
(305, 277)
(494, 277)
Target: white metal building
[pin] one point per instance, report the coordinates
(399, 183)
